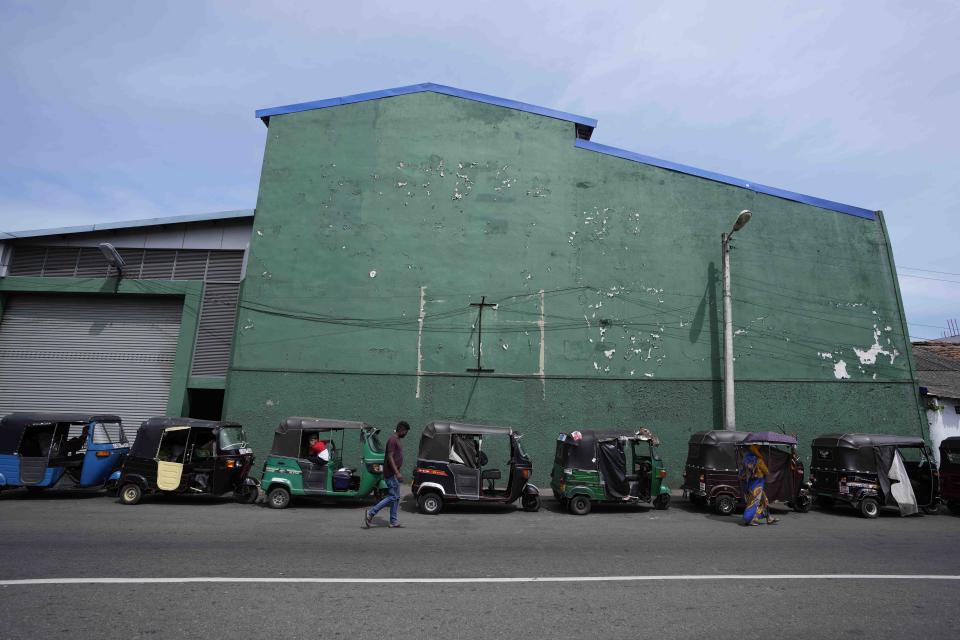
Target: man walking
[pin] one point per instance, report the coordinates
(392, 461)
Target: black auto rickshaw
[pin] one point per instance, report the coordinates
(452, 465)
(950, 473)
(611, 467)
(870, 471)
(187, 456)
(711, 474)
(42, 450)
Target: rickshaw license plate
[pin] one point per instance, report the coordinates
(245, 451)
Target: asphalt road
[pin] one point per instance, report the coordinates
(71, 535)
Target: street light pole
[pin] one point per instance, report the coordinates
(729, 406)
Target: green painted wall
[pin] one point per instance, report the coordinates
(605, 271)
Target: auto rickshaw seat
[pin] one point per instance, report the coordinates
(490, 475)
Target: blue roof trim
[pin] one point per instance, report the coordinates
(719, 177)
(129, 224)
(265, 114)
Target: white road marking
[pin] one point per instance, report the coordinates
(676, 578)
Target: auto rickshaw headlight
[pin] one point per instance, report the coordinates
(525, 473)
(376, 468)
(103, 454)
(663, 473)
(231, 464)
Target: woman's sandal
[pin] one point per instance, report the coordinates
(773, 520)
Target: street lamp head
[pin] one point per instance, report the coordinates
(742, 220)
(111, 255)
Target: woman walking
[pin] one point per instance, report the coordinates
(752, 475)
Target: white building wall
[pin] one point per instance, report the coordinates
(944, 423)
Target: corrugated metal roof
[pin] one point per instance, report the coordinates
(584, 130)
(128, 224)
(936, 356)
(938, 368)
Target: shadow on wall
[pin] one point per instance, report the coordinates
(708, 307)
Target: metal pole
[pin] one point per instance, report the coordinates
(729, 410)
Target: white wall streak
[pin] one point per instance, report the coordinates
(420, 339)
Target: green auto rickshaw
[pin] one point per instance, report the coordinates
(288, 471)
(608, 467)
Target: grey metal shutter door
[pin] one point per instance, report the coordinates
(107, 354)
(211, 357)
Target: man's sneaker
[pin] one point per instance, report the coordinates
(396, 525)
(366, 519)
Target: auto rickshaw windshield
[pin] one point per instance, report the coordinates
(516, 440)
(108, 433)
(374, 439)
(231, 438)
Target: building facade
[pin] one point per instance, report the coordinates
(938, 372)
(429, 253)
(154, 339)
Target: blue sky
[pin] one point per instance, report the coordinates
(121, 110)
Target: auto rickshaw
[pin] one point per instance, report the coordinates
(452, 465)
(288, 472)
(950, 473)
(39, 450)
(711, 474)
(871, 471)
(592, 466)
(187, 456)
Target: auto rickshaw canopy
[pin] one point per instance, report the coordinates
(13, 425)
(859, 440)
(950, 453)
(714, 449)
(287, 438)
(151, 431)
(435, 440)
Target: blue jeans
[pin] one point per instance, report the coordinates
(392, 499)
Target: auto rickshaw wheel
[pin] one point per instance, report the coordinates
(662, 501)
(579, 505)
(247, 494)
(724, 505)
(869, 508)
(931, 509)
(34, 490)
(530, 502)
(130, 493)
(801, 504)
(430, 503)
(278, 498)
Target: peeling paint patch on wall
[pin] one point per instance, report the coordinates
(869, 356)
(840, 370)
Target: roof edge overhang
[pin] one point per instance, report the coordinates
(719, 177)
(129, 224)
(585, 125)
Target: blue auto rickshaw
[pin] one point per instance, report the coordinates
(40, 450)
